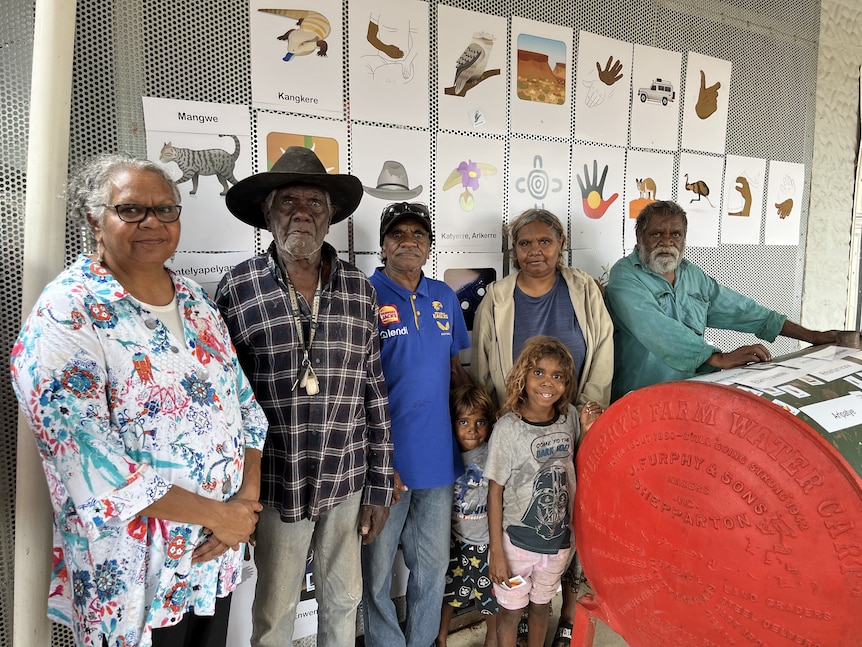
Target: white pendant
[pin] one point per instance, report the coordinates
(312, 386)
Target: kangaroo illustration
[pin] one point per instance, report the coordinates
(699, 188)
(745, 192)
(646, 188)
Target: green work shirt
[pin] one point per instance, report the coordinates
(658, 327)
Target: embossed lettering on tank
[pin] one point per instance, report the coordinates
(707, 516)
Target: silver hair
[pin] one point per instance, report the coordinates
(90, 187)
(528, 217)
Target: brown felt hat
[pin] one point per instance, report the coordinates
(298, 165)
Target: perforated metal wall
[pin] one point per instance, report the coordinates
(199, 50)
(16, 53)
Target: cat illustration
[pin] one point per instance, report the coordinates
(194, 163)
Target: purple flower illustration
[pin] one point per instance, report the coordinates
(470, 174)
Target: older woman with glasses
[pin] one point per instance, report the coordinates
(545, 298)
(149, 434)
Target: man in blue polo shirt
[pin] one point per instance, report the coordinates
(421, 332)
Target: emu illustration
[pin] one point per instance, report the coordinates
(699, 188)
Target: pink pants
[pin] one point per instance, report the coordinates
(541, 572)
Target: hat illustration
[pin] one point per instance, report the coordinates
(297, 165)
(392, 183)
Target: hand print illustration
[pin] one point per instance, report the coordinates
(600, 83)
(612, 72)
(595, 205)
(707, 98)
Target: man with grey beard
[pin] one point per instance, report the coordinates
(661, 305)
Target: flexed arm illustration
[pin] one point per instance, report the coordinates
(390, 63)
(373, 36)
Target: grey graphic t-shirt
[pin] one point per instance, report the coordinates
(535, 464)
(470, 507)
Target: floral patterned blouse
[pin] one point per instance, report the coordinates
(121, 410)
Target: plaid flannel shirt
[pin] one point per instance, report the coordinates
(320, 448)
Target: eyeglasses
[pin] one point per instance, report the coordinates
(138, 212)
(400, 208)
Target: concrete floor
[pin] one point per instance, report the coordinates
(474, 635)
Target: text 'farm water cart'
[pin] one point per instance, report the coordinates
(707, 516)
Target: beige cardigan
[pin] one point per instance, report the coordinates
(494, 326)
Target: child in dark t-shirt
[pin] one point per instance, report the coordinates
(467, 577)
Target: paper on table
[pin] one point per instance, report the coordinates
(774, 377)
(837, 414)
(798, 393)
(787, 407)
(835, 352)
(722, 377)
(836, 369)
(803, 362)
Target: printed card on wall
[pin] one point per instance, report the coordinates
(369, 262)
(596, 261)
(389, 61)
(296, 56)
(597, 211)
(471, 70)
(469, 274)
(656, 98)
(744, 184)
(541, 78)
(394, 166)
(602, 97)
(539, 177)
(784, 203)
(206, 147)
(469, 193)
(649, 177)
(206, 269)
(699, 193)
(327, 138)
(704, 117)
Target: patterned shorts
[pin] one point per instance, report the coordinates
(467, 577)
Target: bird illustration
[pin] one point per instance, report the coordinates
(471, 64)
(699, 188)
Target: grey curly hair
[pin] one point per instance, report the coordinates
(89, 188)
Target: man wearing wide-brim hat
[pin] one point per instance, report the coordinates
(304, 324)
